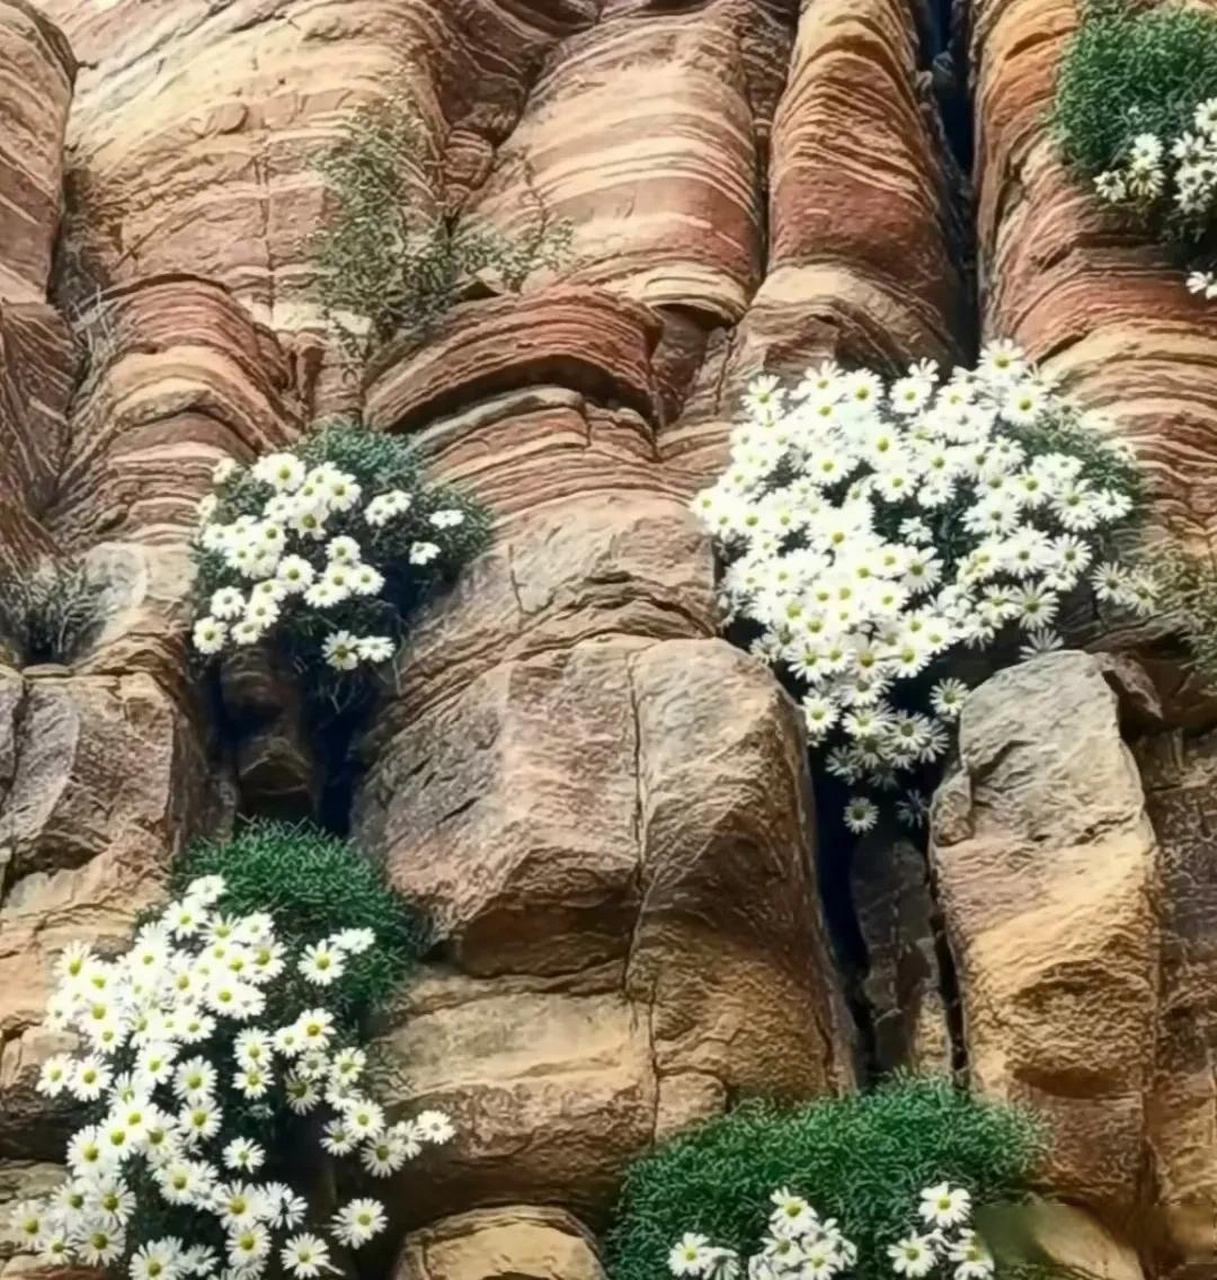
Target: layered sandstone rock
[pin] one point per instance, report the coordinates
(196, 127)
(36, 357)
(36, 73)
(864, 254)
(1081, 908)
(604, 808)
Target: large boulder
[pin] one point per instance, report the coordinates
(1046, 866)
(613, 843)
(605, 810)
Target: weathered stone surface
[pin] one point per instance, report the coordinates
(1180, 777)
(516, 1242)
(618, 805)
(1046, 867)
(36, 73)
(585, 338)
(550, 1084)
(195, 130)
(100, 782)
(641, 134)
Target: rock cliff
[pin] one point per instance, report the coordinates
(605, 806)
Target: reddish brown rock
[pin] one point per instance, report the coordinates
(642, 135)
(863, 257)
(583, 338)
(36, 73)
(196, 130)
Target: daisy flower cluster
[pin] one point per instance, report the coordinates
(313, 544)
(872, 532)
(801, 1246)
(945, 1240)
(1176, 176)
(199, 1045)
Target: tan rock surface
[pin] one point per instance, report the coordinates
(1046, 867)
(101, 779)
(516, 1241)
(599, 803)
(605, 807)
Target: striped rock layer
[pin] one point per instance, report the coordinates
(604, 807)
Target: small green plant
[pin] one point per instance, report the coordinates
(386, 266)
(861, 1159)
(1189, 590)
(326, 550)
(315, 884)
(1136, 113)
(49, 615)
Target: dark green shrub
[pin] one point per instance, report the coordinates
(383, 259)
(50, 614)
(314, 884)
(861, 1159)
(1131, 70)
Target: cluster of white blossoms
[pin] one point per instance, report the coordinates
(289, 558)
(1180, 171)
(801, 1246)
(178, 1069)
(946, 1239)
(871, 531)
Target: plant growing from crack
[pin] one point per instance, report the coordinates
(874, 534)
(389, 259)
(324, 551)
(1135, 115)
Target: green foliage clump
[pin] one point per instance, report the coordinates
(49, 615)
(862, 1159)
(1188, 588)
(314, 885)
(384, 261)
(1129, 71)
